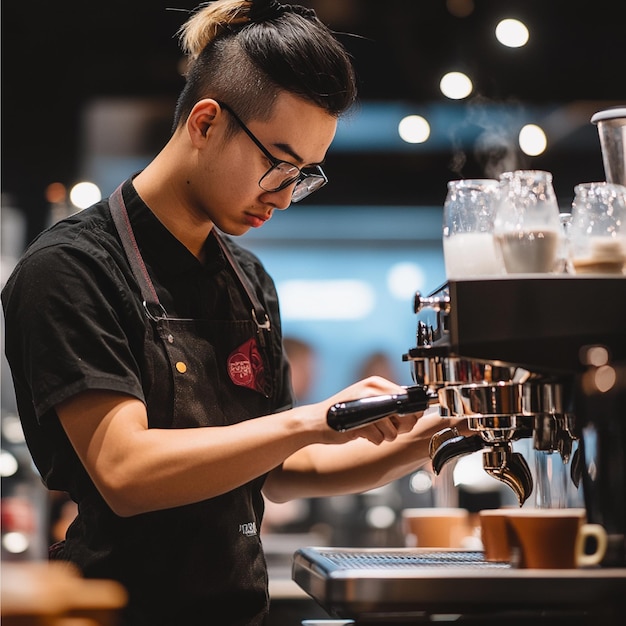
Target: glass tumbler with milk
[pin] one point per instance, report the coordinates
(468, 213)
(527, 227)
(597, 230)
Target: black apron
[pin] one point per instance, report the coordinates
(200, 564)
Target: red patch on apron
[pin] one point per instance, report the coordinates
(245, 366)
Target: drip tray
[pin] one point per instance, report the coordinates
(358, 583)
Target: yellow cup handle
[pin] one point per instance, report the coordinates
(590, 530)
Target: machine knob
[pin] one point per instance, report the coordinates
(417, 302)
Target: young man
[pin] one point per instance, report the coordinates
(146, 347)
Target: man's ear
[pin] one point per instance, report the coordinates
(201, 119)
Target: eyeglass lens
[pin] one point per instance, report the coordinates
(283, 174)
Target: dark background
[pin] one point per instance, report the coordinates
(58, 56)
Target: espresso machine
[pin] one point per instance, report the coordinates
(538, 360)
(533, 358)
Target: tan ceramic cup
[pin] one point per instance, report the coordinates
(553, 538)
(494, 534)
(436, 527)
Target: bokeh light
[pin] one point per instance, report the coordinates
(456, 85)
(512, 33)
(414, 129)
(85, 194)
(532, 140)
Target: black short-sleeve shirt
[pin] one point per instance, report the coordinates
(75, 320)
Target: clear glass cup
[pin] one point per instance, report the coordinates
(468, 214)
(527, 227)
(597, 231)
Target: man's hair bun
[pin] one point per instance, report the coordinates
(209, 21)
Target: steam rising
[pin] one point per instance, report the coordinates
(496, 148)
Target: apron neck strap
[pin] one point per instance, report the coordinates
(259, 315)
(151, 303)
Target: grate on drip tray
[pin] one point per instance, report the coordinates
(391, 560)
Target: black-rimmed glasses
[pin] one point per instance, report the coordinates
(282, 173)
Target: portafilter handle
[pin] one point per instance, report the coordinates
(355, 413)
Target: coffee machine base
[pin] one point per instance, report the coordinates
(417, 586)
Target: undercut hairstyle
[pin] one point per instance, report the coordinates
(246, 53)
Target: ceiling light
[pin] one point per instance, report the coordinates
(414, 129)
(532, 140)
(456, 85)
(512, 33)
(85, 194)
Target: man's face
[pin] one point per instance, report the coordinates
(230, 196)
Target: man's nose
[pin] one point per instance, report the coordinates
(282, 199)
